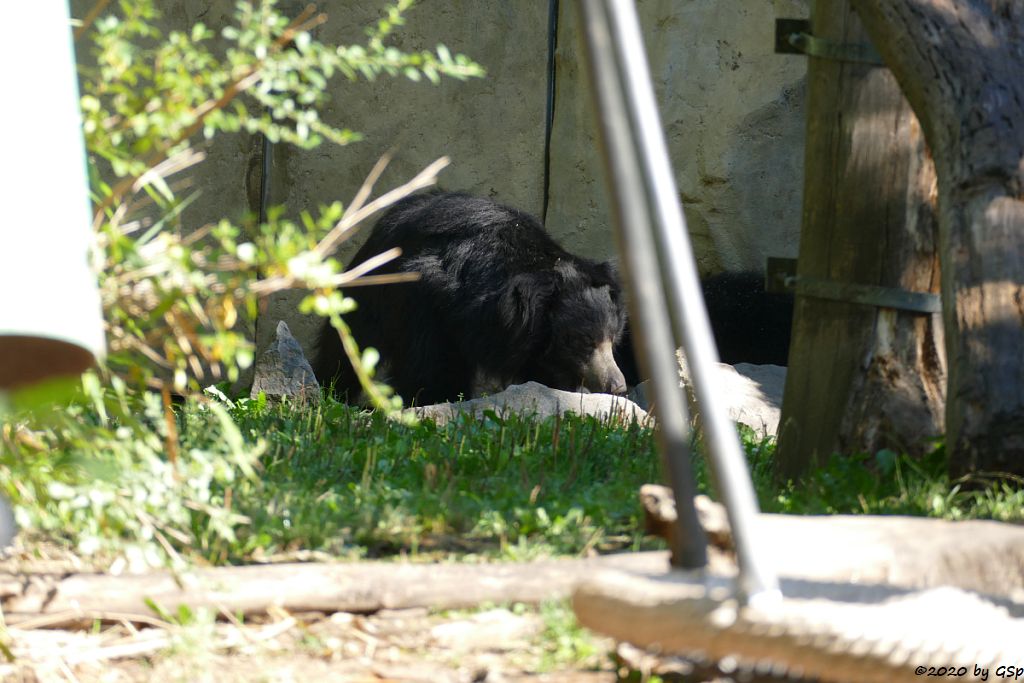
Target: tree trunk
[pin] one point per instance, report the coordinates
(861, 377)
(961, 65)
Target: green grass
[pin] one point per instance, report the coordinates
(891, 484)
(512, 487)
(262, 481)
(344, 481)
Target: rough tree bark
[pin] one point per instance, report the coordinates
(961, 65)
(862, 378)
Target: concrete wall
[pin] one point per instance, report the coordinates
(492, 128)
(733, 115)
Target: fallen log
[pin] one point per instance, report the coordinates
(854, 551)
(52, 599)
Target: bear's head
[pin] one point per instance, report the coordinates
(570, 318)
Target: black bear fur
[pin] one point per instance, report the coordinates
(498, 302)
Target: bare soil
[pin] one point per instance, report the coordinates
(486, 646)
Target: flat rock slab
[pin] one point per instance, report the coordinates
(894, 639)
(532, 398)
(863, 598)
(911, 552)
(866, 550)
(752, 394)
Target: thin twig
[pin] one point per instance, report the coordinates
(387, 279)
(226, 613)
(367, 187)
(197, 235)
(66, 670)
(132, 649)
(146, 643)
(48, 620)
(141, 202)
(90, 18)
(350, 278)
(148, 352)
(339, 233)
(168, 167)
(374, 262)
(129, 627)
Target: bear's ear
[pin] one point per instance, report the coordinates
(606, 273)
(525, 300)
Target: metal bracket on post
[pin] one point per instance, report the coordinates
(793, 37)
(781, 277)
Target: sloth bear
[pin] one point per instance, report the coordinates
(498, 302)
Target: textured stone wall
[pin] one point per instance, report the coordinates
(733, 116)
(491, 128)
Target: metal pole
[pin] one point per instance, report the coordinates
(653, 334)
(613, 33)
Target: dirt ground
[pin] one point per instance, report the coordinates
(408, 645)
(482, 646)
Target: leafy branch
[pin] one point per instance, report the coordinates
(174, 294)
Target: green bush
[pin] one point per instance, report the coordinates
(112, 475)
(122, 470)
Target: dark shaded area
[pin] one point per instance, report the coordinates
(750, 325)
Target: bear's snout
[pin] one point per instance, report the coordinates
(602, 374)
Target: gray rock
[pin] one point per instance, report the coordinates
(534, 398)
(752, 394)
(283, 371)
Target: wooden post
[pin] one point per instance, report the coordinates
(861, 377)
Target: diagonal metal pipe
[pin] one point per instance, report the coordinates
(665, 288)
(651, 327)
